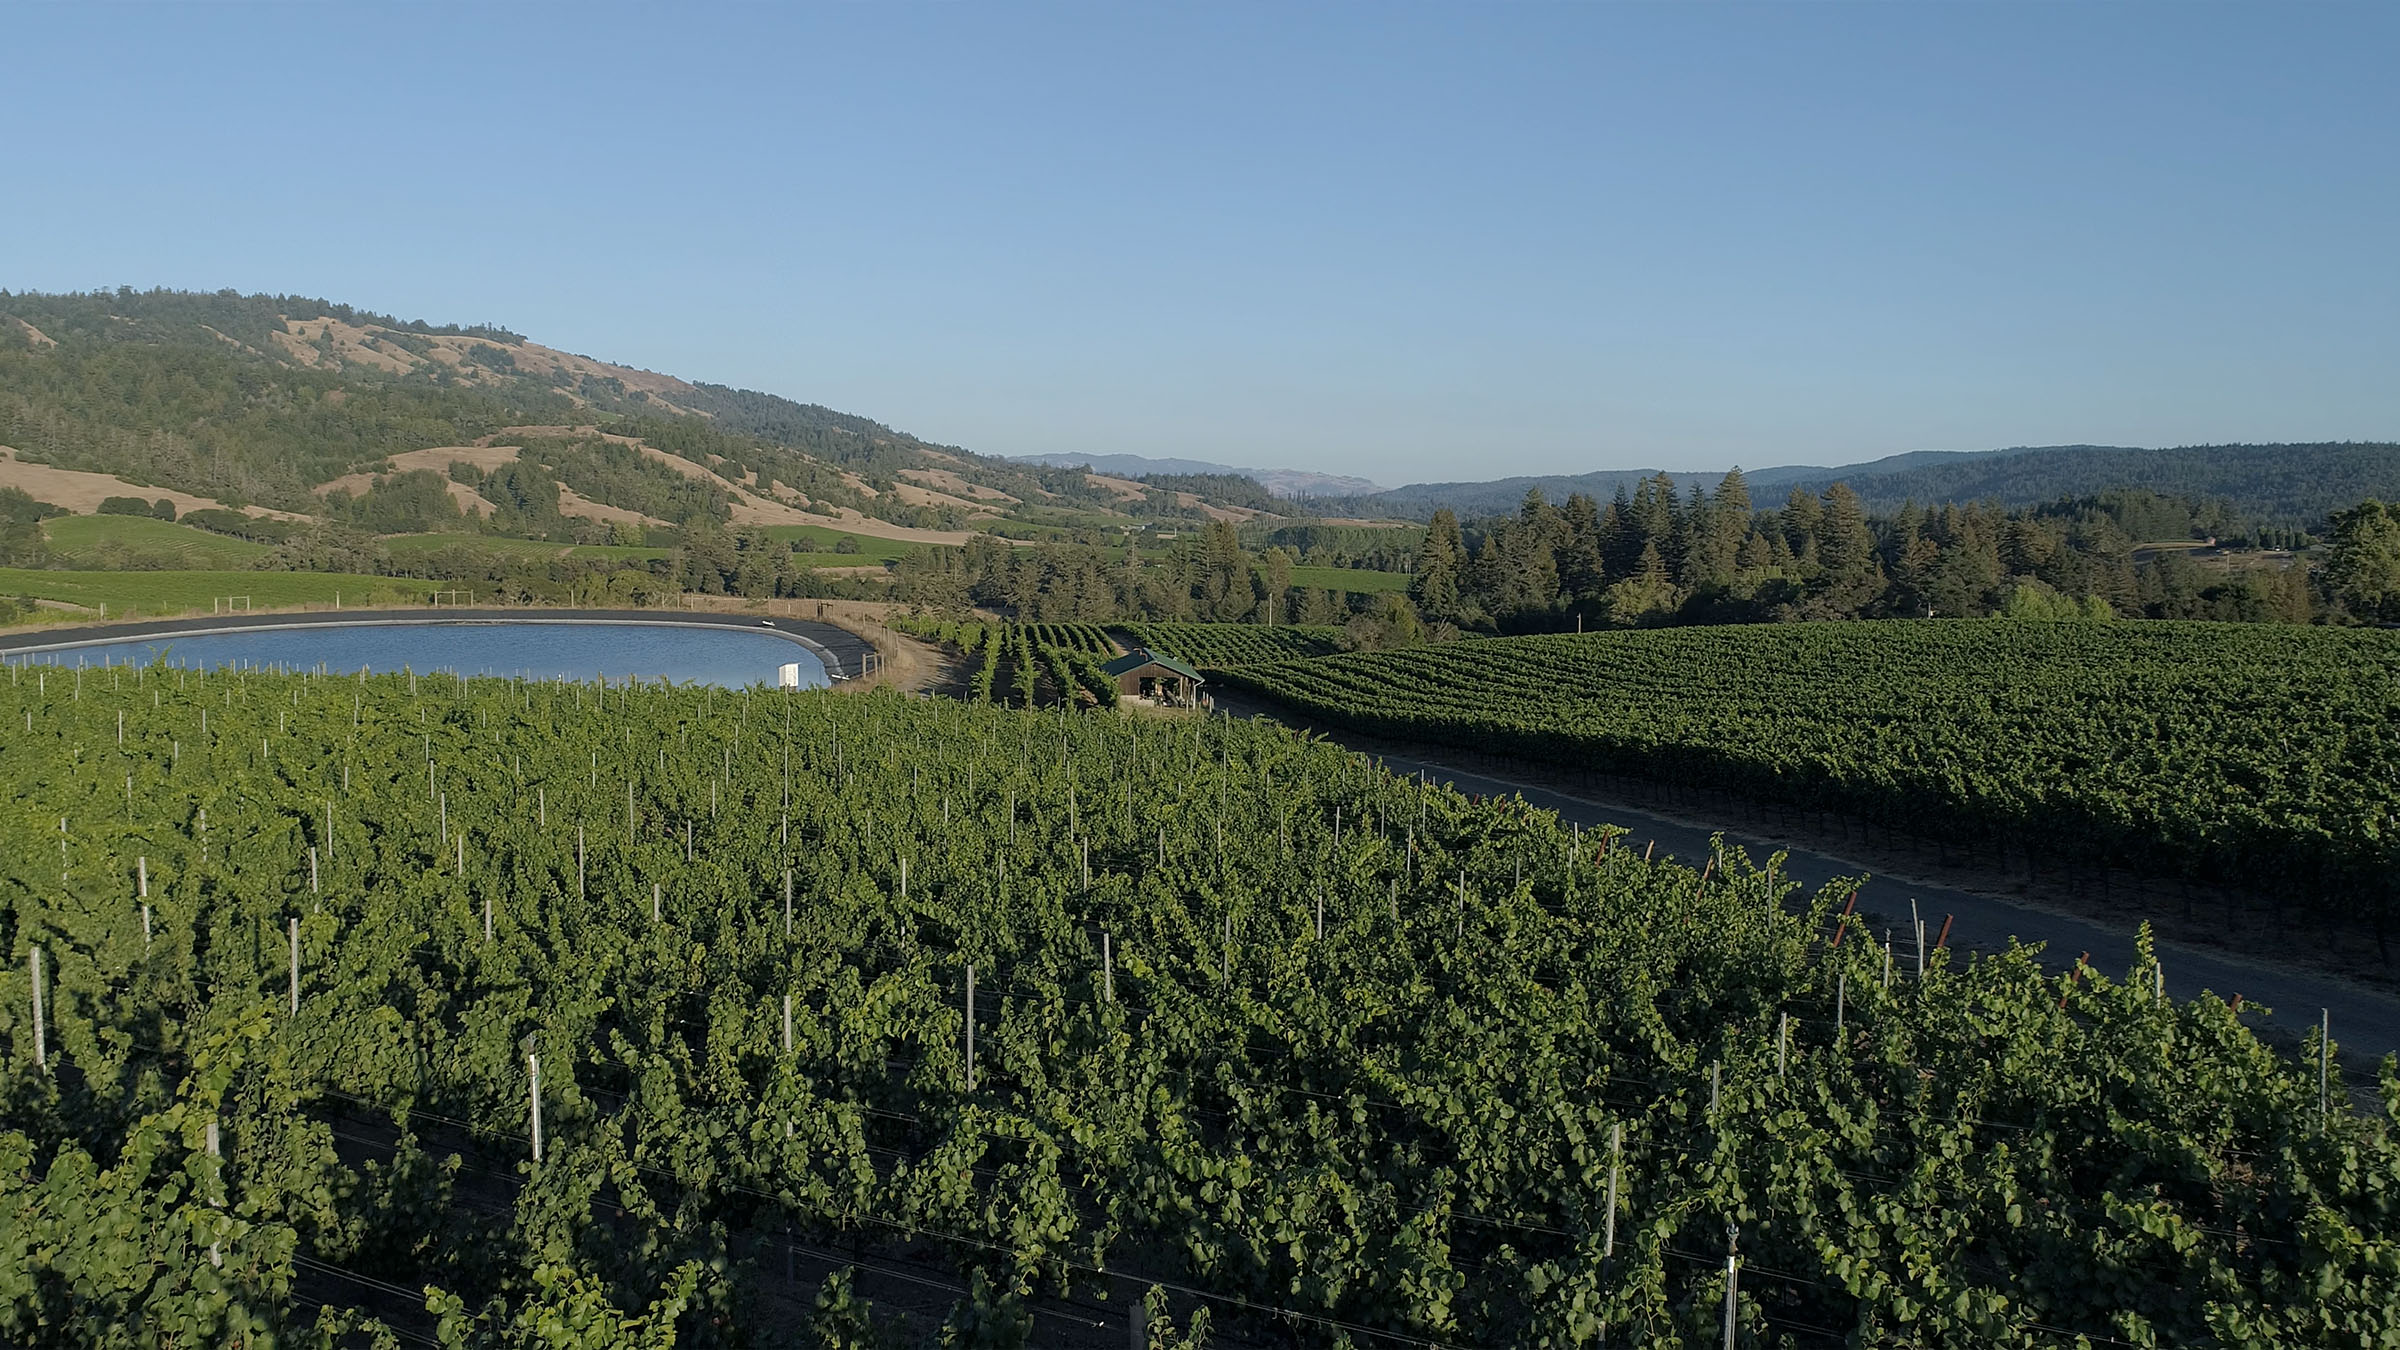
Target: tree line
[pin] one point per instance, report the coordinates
(1656, 556)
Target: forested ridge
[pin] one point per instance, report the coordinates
(861, 1021)
(2284, 486)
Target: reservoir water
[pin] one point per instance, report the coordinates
(614, 651)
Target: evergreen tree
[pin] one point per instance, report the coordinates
(1802, 514)
(1440, 561)
(1845, 547)
(2362, 561)
(1582, 575)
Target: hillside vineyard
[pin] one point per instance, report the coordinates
(490, 1010)
(2259, 755)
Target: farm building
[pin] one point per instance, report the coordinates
(1142, 673)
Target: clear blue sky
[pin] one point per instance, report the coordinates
(1406, 241)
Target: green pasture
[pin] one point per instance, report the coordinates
(156, 594)
(118, 542)
(425, 545)
(821, 539)
(1354, 580)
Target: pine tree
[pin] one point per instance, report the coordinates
(1439, 561)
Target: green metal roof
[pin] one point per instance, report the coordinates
(1142, 656)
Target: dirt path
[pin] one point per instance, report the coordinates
(910, 665)
(2366, 1019)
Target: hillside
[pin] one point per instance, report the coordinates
(2289, 486)
(280, 402)
(2281, 485)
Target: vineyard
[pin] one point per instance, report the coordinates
(1027, 665)
(2264, 755)
(1217, 646)
(409, 1011)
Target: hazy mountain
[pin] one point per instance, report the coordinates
(2278, 484)
(1281, 482)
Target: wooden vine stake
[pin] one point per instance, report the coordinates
(295, 931)
(2324, 1062)
(1108, 969)
(1733, 1277)
(970, 1028)
(216, 1254)
(41, 1035)
(787, 1024)
(1616, 1165)
(533, 1095)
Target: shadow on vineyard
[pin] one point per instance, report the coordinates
(409, 1011)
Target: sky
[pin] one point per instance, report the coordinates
(1405, 241)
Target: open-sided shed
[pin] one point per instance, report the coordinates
(1142, 673)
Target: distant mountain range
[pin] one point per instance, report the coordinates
(292, 404)
(2271, 484)
(1281, 482)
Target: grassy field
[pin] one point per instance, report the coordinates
(820, 541)
(805, 560)
(152, 594)
(121, 541)
(421, 545)
(1353, 580)
(871, 551)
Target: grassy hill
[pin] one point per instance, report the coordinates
(267, 401)
(131, 543)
